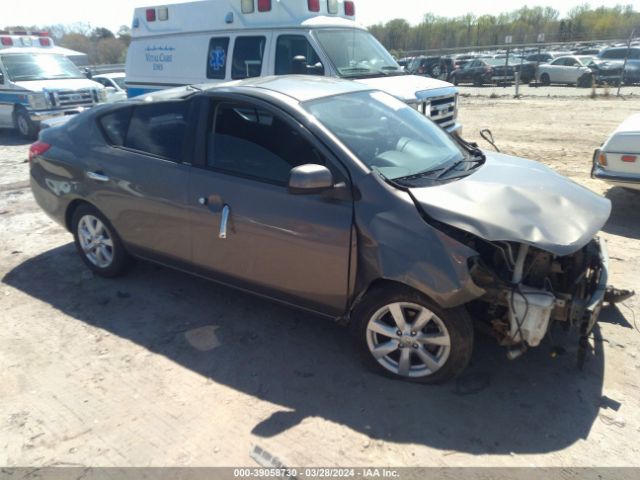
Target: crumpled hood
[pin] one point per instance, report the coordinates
(409, 87)
(517, 200)
(58, 84)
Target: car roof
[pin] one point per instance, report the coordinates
(299, 87)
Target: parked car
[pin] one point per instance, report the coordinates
(570, 70)
(114, 85)
(617, 161)
(434, 67)
(542, 57)
(484, 70)
(338, 199)
(616, 55)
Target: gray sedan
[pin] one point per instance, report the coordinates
(341, 200)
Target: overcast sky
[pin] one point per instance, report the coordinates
(113, 13)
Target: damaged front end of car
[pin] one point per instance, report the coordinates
(527, 289)
(539, 260)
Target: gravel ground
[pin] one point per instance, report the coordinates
(163, 369)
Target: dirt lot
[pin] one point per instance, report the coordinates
(162, 369)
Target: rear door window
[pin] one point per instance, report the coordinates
(114, 125)
(291, 46)
(159, 129)
(248, 53)
(217, 58)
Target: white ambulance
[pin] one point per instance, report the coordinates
(224, 40)
(38, 82)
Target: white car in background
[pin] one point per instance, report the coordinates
(570, 70)
(114, 84)
(617, 161)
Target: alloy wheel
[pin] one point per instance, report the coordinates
(95, 241)
(408, 339)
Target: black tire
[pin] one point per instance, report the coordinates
(544, 79)
(477, 81)
(454, 79)
(24, 125)
(456, 322)
(119, 260)
(585, 81)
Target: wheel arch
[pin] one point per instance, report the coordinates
(71, 208)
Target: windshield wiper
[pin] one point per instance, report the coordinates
(479, 160)
(416, 176)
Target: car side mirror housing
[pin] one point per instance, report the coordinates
(110, 89)
(310, 178)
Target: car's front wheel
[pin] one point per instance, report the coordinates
(97, 242)
(402, 334)
(23, 124)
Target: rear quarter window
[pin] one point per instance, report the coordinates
(114, 126)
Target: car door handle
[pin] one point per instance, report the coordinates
(97, 176)
(224, 219)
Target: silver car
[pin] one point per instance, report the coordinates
(338, 199)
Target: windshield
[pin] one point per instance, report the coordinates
(39, 67)
(386, 134)
(356, 53)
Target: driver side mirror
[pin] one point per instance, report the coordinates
(310, 178)
(110, 90)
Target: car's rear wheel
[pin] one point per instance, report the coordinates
(544, 79)
(402, 334)
(97, 242)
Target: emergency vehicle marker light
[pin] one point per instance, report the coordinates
(264, 5)
(332, 6)
(163, 14)
(349, 8)
(7, 41)
(45, 42)
(248, 6)
(314, 5)
(151, 15)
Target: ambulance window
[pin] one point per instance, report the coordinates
(217, 57)
(291, 46)
(247, 57)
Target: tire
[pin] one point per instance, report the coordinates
(97, 242)
(544, 79)
(477, 81)
(585, 81)
(24, 125)
(444, 355)
(455, 80)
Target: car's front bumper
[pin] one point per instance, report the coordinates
(38, 116)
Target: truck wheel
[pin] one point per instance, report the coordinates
(24, 125)
(97, 242)
(401, 334)
(544, 79)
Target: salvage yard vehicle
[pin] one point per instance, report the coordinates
(218, 41)
(617, 55)
(114, 85)
(36, 84)
(330, 196)
(570, 70)
(617, 161)
(484, 70)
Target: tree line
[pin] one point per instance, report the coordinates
(101, 45)
(582, 23)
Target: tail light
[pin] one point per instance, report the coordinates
(314, 5)
(151, 14)
(37, 149)
(264, 5)
(349, 8)
(45, 42)
(7, 41)
(602, 159)
(629, 158)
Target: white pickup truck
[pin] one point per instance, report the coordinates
(617, 161)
